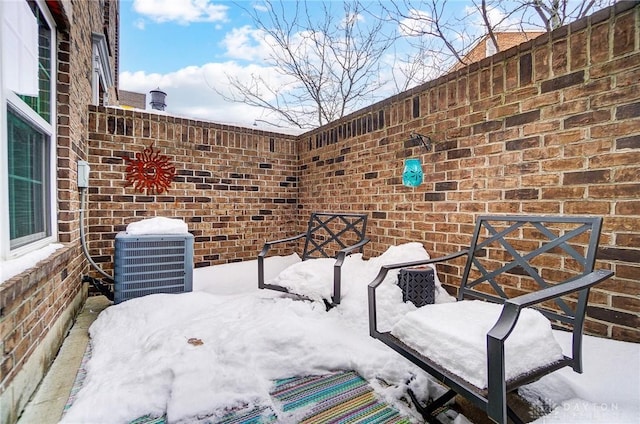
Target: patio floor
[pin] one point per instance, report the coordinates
(48, 403)
(600, 385)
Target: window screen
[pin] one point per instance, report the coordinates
(28, 181)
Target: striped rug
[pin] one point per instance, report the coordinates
(337, 398)
(342, 397)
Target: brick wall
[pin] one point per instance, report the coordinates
(38, 306)
(549, 127)
(505, 40)
(132, 99)
(234, 187)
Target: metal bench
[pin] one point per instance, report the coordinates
(328, 235)
(518, 262)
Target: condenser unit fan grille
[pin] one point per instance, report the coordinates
(149, 264)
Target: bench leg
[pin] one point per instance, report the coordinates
(428, 411)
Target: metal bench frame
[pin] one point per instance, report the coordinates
(319, 237)
(493, 400)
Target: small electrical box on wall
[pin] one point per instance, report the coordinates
(83, 174)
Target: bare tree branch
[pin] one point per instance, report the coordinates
(330, 60)
(452, 32)
(323, 63)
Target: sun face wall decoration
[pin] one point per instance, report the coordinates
(149, 171)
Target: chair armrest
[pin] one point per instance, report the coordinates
(384, 269)
(356, 246)
(512, 307)
(585, 281)
(263, 253)
(342, 254)
(337, 269)
(268, 244)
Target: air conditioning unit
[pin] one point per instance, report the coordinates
(149, 264)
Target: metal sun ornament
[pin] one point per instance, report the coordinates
(149, 171)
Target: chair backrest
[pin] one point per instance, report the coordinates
(514, 255)
(327, 233)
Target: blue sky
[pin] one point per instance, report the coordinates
(147, 44)
(188, 47)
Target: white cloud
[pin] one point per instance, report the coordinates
(181, 11)
(250, 44)
(499, 19)
(353, 17)
(417, 23)
(190, 91)
(245, 43)
(261, 7)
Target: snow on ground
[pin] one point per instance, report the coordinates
(607, 392)
(220, 346)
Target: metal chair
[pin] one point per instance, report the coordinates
(328, 235)
(508, 249)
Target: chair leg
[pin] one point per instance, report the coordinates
(515, 419)
(430, 411)
(328, 305)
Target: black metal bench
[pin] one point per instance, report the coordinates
(556, 255)
(328, 235)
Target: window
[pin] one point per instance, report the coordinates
(27, 138)
(102, 76)
(28, 181)
(490, 48)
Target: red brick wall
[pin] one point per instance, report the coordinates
(549, 127)
(38, 305)
(234, 187)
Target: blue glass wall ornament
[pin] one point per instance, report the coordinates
(412, 174)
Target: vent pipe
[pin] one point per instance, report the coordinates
(157, 99)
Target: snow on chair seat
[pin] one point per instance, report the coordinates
(453, 335)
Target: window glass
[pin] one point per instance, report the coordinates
(42, 104)
(102, 73)
(28, 185)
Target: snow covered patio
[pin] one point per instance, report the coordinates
(199, 354)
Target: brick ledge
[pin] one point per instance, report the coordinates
(14, 288)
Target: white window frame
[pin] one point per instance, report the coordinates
(102, 76)
(8, 97)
